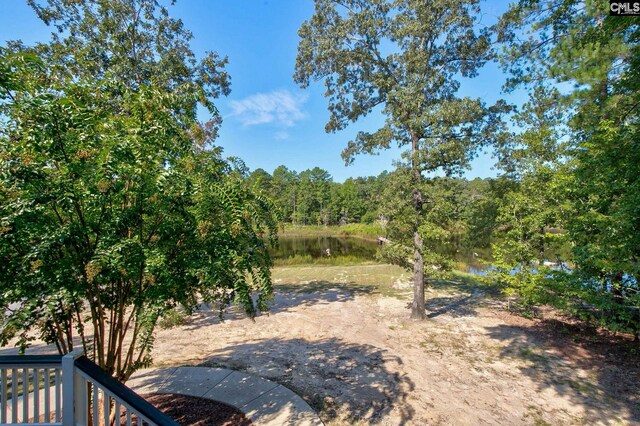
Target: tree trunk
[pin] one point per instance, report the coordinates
(418, 307)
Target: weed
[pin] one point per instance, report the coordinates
(172, 318)
(535, 414)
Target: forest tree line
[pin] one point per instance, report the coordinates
(311, 197)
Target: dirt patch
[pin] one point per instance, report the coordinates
(345, 344)
(341, 338)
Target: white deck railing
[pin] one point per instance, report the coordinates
(69, 390)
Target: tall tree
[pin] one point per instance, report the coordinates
(536, 161)
(594, 58)
(284, 184)
(406, 56)
(116, 205)
(261, 181)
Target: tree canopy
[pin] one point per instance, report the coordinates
(408, 58)
(580, 67)
(116, 206)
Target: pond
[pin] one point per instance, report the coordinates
(318, 247)
(326, 248)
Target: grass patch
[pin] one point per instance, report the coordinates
(361, 230)
(534, 355)
(535, 415)
(464, 282)
(458, 281)
(307, 260)
(319, 286)
(374, 279)
(444, 342)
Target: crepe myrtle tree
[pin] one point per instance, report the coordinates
(406, 57)
(115, 206)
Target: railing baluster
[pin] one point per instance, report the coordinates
(3, 413)
(14, 395)
(58, 396)
(84, 393)
(65, 381)
(106, 407)
(25, 395)
(47, 395)
(95, 405)
(117, 415)
(36, 395)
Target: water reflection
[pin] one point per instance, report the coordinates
(324, 247)
(321, 246)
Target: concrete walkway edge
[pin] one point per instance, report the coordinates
(263, 401)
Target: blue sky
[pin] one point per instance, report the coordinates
(268, 119)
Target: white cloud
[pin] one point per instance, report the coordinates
(281, 135)
(279, 107)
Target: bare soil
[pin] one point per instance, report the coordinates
(341, 337)
(344, 343)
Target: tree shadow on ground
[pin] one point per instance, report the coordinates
(460, 306)
(37, 349)
(315, 293)
(462, 297)
(598, 371)
(340, 380)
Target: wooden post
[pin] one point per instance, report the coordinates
(71, 397)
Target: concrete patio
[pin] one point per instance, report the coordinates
(263, 401)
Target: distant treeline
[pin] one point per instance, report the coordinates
(311, 197)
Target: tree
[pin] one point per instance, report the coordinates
(349, 202)
(594, 58)
(536, 163)
(407, 57)
(261, 181)
(321, 182)
(482, 197)
(116, 205)
(284, 184)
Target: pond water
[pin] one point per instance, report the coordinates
(324, 247)
(317, 247)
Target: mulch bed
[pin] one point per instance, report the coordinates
(187, 411)
(194, 411)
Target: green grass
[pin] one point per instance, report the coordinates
(372, 279)
(307, 260)
(359, 230)
(459, 281)
(369, 278)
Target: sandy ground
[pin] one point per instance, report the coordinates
(341, 338)
(346, 345)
